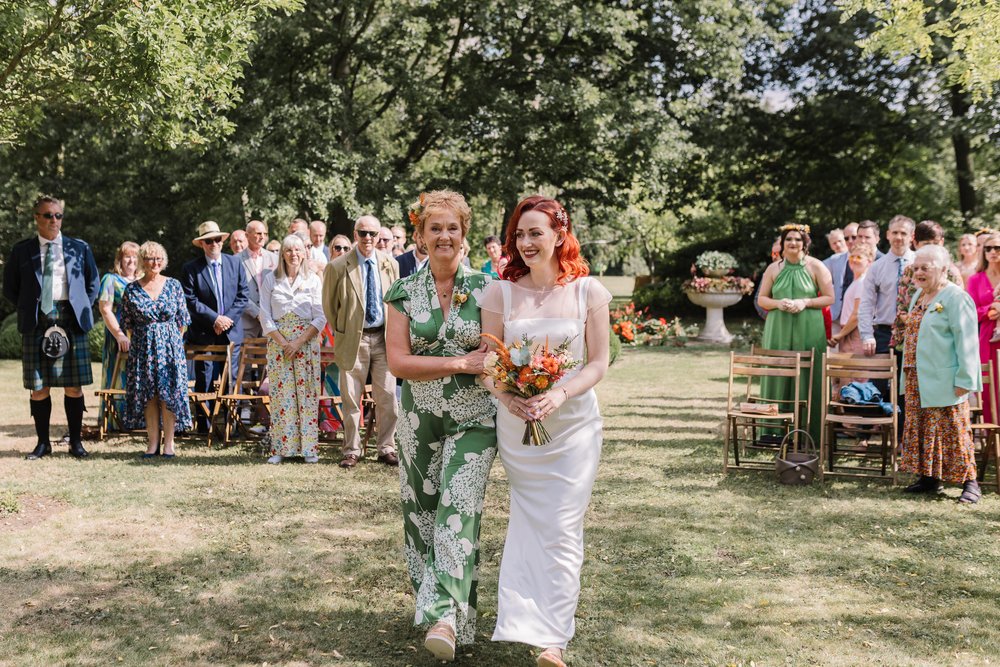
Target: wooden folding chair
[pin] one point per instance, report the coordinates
(250, 374)
(744, 405)
(206, 403)
(988, 433)
(806, 366)
(327, 400)
(838, 417)
(108, 397)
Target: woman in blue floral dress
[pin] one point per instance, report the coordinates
(109, 303)
(446, 431)
(156, 380)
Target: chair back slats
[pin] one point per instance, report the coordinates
(858, 420)
(746, 373)
(253, 357)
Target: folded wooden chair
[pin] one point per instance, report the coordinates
(839, 417)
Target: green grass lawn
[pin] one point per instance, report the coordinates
(216, 558)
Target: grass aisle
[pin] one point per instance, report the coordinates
(215, 558)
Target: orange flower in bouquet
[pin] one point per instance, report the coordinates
(526, 369)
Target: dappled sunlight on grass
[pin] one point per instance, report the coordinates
(216, 558)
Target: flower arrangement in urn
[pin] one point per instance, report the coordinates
(715, 267)
(714, 263)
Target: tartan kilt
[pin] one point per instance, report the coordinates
(70, 370)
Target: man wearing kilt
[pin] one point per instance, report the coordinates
(53, 279)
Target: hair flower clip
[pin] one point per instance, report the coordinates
(562, 218)
(416, 208)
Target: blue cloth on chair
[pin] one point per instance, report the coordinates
(865, 393)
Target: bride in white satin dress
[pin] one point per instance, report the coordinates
(545, 294)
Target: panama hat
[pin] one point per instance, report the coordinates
(208, 230)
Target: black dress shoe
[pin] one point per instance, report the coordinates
(77, 450)
(925, 485)
(40, 450)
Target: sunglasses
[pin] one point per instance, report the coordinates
(52, 216)
(364, 233)
(384, 241)
(213, 240)
(342, 248)
(850, 238)
(991, 248)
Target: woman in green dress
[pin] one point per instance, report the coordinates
(109, 303)
(794, 291)
(446, 434)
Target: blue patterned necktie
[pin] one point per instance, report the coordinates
(371, 297)
(47, 303)
(217, 278)
(900, 273)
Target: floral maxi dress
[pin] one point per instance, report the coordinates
(157, 367)
(937, 442)
(446, 438)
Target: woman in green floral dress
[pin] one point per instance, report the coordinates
(446, 434)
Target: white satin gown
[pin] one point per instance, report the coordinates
(550, 486)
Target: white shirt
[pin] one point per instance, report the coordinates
(280, 296)
(318, 254)
(854, 291)
(60, 287)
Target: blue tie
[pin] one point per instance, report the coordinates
(217, 279)
(371, 296)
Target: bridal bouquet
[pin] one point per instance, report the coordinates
(526, 369)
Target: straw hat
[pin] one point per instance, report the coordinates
(208, 230)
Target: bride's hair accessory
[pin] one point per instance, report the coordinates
(562, 218)
(794, 226)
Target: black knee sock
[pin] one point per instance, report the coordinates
(75, 408)
(41, 412)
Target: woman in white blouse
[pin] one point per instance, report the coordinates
(291, 316)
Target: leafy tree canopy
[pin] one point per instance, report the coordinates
(913, 27)
(168, 66)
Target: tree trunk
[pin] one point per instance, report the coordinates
(963, 154)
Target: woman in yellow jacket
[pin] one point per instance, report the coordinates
(941, 368)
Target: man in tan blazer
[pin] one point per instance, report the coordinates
(353, 287)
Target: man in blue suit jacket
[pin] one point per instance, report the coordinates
(215, 318)
(53, 280)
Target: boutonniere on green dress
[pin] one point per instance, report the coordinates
(460, 297)
(938, 307)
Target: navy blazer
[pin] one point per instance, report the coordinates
(22, 281)
(196, 279)
(407, 263)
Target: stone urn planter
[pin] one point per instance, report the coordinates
(713, 302)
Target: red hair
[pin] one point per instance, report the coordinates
(571, 264)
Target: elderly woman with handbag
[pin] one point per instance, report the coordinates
(940, 369)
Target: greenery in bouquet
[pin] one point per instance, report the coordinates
(704, 285)
(633, 326)
(713, 260)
